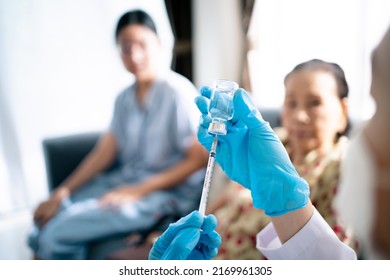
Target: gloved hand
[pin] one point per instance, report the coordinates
(252, 155)
(193, 237)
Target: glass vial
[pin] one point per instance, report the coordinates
(221, 105)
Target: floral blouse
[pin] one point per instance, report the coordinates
(239, 221)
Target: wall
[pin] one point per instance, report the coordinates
(218, 41)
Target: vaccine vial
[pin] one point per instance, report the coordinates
(221, 105)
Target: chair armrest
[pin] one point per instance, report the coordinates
(63, 154)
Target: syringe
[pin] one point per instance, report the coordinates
(208, 176)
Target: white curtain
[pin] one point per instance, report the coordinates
(59, 74)
(286, 33)
(12, 192)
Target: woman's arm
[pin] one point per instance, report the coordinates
(99, 159)
(195, 159)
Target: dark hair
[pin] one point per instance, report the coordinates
(135, 17)
(332, 68)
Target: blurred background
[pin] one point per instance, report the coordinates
(60, 70)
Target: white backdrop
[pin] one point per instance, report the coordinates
(59, 74)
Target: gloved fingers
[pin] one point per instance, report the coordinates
(197, 254)
(203, 104)
(202, 253)
(206, 91)
(183, 244)
(204, 121)
(209, 223)
(204, 137)
(211, 239)
(205, 250)
(213, 252)
(194, 219)
(209, 253)
(226, 150)
(207, 247)
(245, 110)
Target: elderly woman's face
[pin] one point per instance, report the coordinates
(312, 111)
(139, 51)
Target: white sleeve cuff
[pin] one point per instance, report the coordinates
(316, 240)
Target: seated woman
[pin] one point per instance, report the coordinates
(314, 118)
(152, 133)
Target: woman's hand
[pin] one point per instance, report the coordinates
(122, 195)
(49, 208)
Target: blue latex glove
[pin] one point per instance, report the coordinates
(193, 237)
(252, 155)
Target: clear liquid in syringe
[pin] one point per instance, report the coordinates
(208, 177)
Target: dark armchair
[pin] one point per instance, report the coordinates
(62, 155)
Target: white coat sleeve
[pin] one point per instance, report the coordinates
(316, 240)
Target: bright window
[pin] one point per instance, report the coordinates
(285, 33)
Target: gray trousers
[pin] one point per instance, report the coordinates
(81, 220)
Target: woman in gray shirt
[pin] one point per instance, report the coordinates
(152, 134)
